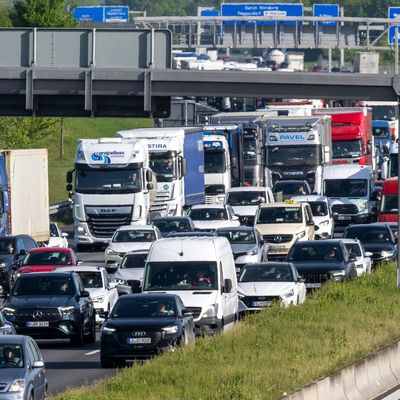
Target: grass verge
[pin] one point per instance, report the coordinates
(79, 128)
(272, 353)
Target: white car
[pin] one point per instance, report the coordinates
(57, 237)
(322, 215)
(209, 217)
(129, 275)
(262, 284)
(95, 280)
(363, 258)
(128, 238)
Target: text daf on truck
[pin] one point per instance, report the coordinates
(112, 184)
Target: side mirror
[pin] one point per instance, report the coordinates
(103, 314)
(300, 280)
(352, 259)
(69, 177)
(38, 364)
(22, 252)
(68, 188)
(311, 223)
(149, 186)
(186, 313)
(227, 285)
(113, 285)
(184, 167)
(235, 218)
(64, 235)
(149, 175)
(85, 293)
(135, 286)
(368, 254)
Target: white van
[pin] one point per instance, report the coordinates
(201, 271)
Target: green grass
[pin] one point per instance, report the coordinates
(272, 353)
(77, 128)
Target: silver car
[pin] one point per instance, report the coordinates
(22, 372)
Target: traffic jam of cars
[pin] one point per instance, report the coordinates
(199, 228)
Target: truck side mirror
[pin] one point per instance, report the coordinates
(69, 177)
(183, 166)
(69, 187)
(149, 175)
(369, 147)
(227, 285)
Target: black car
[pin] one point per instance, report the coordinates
(377, 238)
(12, 251)
(172, 224)
(51, 305)
(319, 261)
(144, 325)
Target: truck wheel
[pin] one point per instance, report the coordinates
(91, 337)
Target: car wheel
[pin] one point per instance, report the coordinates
(106, 362)
(91, 337)
(77, 340)
(81, 248)
(12, 276)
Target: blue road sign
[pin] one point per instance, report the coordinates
(326, 10)
(261, 10)
(116, 14)
(393, 13)
(209, 13)
(89, 14)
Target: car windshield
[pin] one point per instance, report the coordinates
(208, 214)
(326, 252)
(380, 131)
(128, 236)
(389, 204)
(318, 208)
(11, 356)
(7, 246)
(53, 230)
(280, 215)
(214, 162)
(368, 234)
(196, 275)
(39, 285)
(291, 188)
(346, 148)
(179, 225)
(236, 236)
(133, 261)
(91, 279)
(345, 187)
(246, 198)
(266, 273)
(353, 249)
(293, 156)
(144, 307)
(48, 258)
(164, 168)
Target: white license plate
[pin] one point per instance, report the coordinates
(277, 247)
(142, 340)
(313, 285)
(344, 218)
(37, 324)
(260, 303)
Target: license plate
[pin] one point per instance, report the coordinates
(260, 303)
(37, 324)
(344, 217)
(142, 340)
(277, 247)
(313, 285)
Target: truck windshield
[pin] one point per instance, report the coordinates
(246, 198)
(380, 131)
(345, 187)
(194, 275)
(393, 165)
(389, 204)
(293, 155)
(249, 147)
(346, 148)
(107, 181)
(386, 113)
(164, 168)
(214, 161)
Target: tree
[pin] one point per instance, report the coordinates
(42, 13)
(4, 17)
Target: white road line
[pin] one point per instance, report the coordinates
(92, 352)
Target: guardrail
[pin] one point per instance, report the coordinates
(62, 206)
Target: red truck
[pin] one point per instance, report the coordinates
(351, 135)
(388, 207)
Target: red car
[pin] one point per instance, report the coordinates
(47, 259)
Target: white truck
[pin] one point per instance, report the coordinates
(390, 165)
(349, 188)
(24, 199)
(177, 161)
(297, 148)
(112, 188)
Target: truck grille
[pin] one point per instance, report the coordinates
(104, 225)
(345, 209)
(315, 277)
(214, 190)
(277, 257)
(277, 238)
(37, 314)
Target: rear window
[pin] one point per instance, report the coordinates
(48, 258)
(134, 236)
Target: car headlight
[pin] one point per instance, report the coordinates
(66, 310)
(79, 229)
(362, 206)
(111, 252)
(324, 223)
(301, 234)
(288, 294)
(2, 265)
(385, 253)
(18, 385)
(120, 281)
(170, 329)
(8, 311)
(98, 299)
(108, 331)
(338, 275)
(252, 252)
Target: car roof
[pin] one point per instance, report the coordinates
(367, 226)
(67, 272)
(150, 296)
(280, 204)
(13, 339)
(269, 264)
(310, 197)
(248, 189)
(284, 181)
(318, 242)
(135, 228)
(82, 268)
(236, 228)
(190, 234)
(133, 252)
(350, 240)
(50, 250)
(172, 218)
(201, 206)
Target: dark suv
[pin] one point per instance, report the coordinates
(51, 306)
(12, 250)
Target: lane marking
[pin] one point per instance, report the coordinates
(92, 352)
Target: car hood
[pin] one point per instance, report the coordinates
(129, 274)
(9, 374)
(125, 247)
(40, 268)
(317, 266)
(140, 323)
(243, 248)
(265, 288)
(39, 301)
(94, 292)
(245, 210)
(279, 229)
(214, 224)
(6, 259)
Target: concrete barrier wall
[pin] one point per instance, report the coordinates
(364, 380)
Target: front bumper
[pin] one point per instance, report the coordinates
(62, 329)
(13, 395)
(324, 232)
(346, 219)
(208, 326)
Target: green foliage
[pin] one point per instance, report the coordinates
(42, 13)
(272, 353)
(4, 17)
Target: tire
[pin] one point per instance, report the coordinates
(91, 337)
(106, 362)
(81, 248)
(12, 276)
(77, 340)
